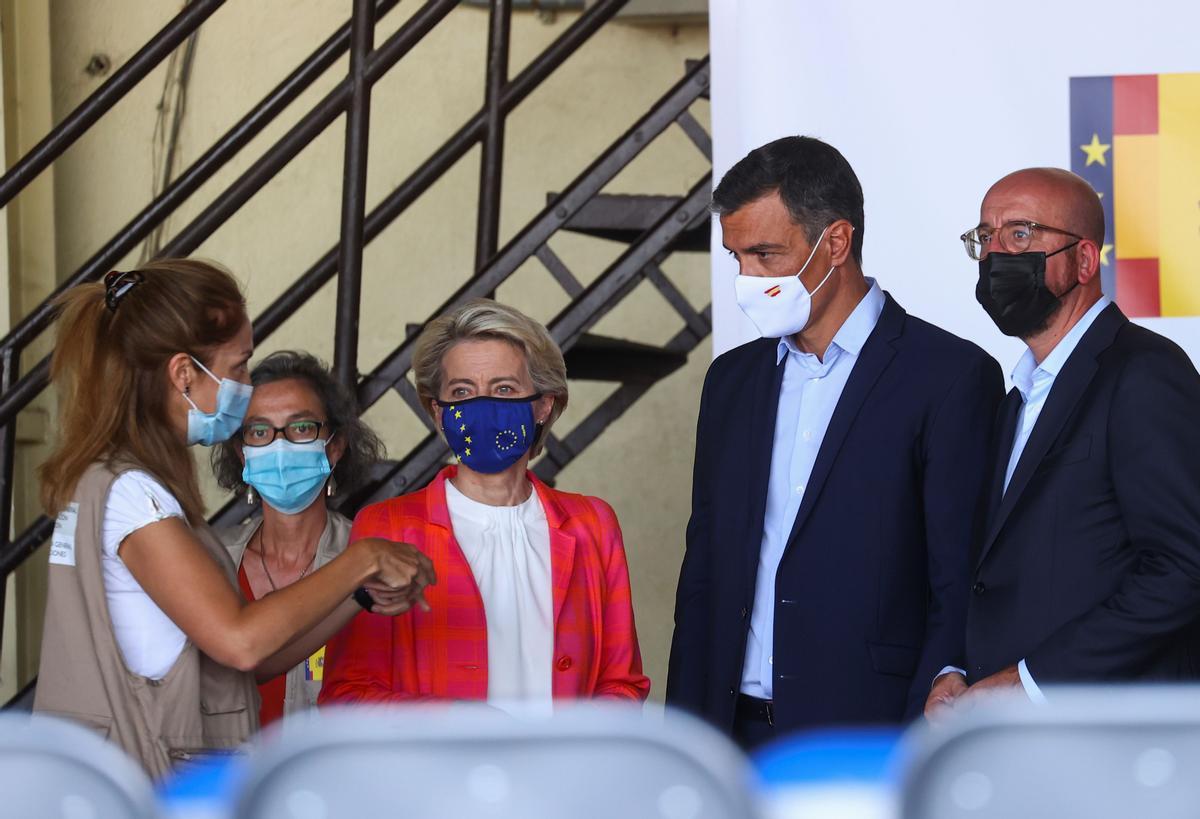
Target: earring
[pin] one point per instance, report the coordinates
(331, 487)
(251, 498)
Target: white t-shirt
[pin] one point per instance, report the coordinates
(149, 641)
(508, 550)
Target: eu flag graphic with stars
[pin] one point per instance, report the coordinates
(1136, 139)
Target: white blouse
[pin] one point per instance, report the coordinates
(508, 550)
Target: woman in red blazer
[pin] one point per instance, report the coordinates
(532, 600)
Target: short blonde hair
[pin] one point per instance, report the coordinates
(482, 319)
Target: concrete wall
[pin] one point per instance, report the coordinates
(642, 464)
(30, 272)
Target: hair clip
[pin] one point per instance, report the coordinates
(117, 285)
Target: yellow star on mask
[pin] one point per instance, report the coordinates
(457, 416)
(463, 428)
(469, 441)
(1104, 251)
(467, 453)
(1095, 151)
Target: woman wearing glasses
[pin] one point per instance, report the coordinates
(302, 443)
(147, 639)
(533, 603)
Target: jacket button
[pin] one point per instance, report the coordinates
(744, 612)
(979, 588)
(564, 663)
(731, 691)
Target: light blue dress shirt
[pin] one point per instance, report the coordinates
(1034, 382)
(807, 398)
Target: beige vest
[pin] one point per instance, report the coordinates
(303, 682)
(199, 706)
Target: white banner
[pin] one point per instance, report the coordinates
(934, 100)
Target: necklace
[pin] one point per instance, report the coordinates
(263, 559)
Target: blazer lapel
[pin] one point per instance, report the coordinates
(562, 544)
(763, 409)
(1009, 415)
(1069, 386)
(874, 358)
(762, 405)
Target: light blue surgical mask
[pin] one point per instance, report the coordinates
(210, 428)
(288, 476)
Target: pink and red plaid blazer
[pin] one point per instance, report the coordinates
(442, 653)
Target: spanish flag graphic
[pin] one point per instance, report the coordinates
(1136, 139)
(773, 291)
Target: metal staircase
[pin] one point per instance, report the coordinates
(653, 227)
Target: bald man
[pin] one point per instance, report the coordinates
(1088, 569)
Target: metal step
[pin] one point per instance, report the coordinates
(623, 217)
(600, 358)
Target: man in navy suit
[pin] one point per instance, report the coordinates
(1089, 565)
(840, 462)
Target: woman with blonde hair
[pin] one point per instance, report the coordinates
(534, 602)
(147, 638)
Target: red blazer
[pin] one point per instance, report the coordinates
(442, 653)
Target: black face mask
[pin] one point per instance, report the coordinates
(1012, 289)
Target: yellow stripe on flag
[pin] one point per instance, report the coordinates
(1135, 195)
(1179, 193)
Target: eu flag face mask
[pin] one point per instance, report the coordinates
(210, 428)
(489, 434)
(287, 476)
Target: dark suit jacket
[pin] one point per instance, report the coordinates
(1090, 565)
(872, 587)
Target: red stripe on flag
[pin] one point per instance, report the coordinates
(1137, 287)
(1135, 104)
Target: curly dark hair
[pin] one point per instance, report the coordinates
(363, 447)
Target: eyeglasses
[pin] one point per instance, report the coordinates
(1014, 237)
(298, 432)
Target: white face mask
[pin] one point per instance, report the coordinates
(779, 305)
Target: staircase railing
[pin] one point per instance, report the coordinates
(351, 96)
(18, 393)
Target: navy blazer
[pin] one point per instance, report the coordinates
(872, 587)
(1090, 564)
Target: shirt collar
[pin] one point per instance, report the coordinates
(855, 330)
(1027, 367)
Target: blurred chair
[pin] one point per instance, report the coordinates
(54, 769)
(471, 761)
(1096, 752)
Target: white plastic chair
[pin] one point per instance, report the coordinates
(472, 762)
(1096, 752)
(56, 769)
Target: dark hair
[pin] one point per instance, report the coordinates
(813, 179)
(363, 447)
(110, 368)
